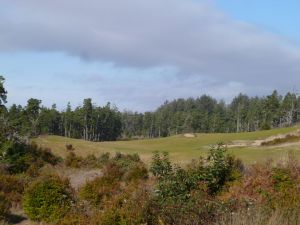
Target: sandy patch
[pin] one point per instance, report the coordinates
(189, 135)
(258, 143)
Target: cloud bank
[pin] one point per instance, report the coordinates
(197, 40)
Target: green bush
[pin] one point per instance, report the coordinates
(20, 156)
(125, 161)
(4, 206)
(161, 165)
(177, 184)
(48, 199)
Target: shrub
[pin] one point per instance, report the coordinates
(75, 217)
(12, 187)
(126, 207)
(104, 158)
(215, 171)
(132, 204)
(20, 156)
(100, 188)
(74, 161)
(275, 188)
(125, 161)
(199, 208)
(70, 147)
(90, 161)
(34, 170)
(108, 217)
(47, 199)
(4, 206)
(221, 168)
(137, 172)
(161, 165)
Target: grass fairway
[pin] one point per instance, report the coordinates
(181, 149)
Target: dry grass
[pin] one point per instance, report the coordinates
(260, 217)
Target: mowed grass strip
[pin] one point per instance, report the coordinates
(182, 149)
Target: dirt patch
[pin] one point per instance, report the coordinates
(79, 177)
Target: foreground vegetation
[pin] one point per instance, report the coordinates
(215, 189)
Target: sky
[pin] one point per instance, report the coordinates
(138, 53)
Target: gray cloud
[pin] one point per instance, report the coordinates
(194, 37)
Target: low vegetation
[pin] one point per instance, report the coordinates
(281, 140)
(4, 206)
(20, 157)
(215, 189)
(47, 199)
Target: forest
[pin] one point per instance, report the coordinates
(193, 115)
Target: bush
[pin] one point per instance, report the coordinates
(108, 217)
(12, 187)
(104, 158)
(69, 147)
(74, 161)
(274, 188)
(215, 171)
(199, 208)
(125, 161)
(137, 172)
(97, 190)
(90, 161)
(161, 165)
(4, 206)
(75, 218)
(20, 156)
(126, 207)
(48, 199)
(221, 168)
(113, 170)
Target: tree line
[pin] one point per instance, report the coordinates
(192, 115)
(208, 115)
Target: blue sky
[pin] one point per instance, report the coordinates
(136, 54)
(277, 16)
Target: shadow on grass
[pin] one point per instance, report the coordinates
(15, 219)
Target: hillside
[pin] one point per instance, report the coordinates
(181, 148)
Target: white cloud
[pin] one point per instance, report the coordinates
(201, 42)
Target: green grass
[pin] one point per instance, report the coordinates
(181, 149)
